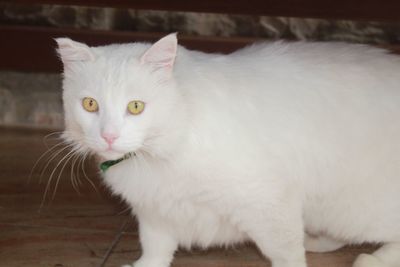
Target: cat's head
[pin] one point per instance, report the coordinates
(118, 99)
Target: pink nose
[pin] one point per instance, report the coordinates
(109, 137)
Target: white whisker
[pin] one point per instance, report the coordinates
(50, 135)
(61, 171)
(86, 176)
(73, 177)
(54, 155)
(50, 150)
(51, 177)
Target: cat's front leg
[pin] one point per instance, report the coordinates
(280, 240)
(277, 229)
(158, 244)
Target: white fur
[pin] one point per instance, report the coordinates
(264, 144)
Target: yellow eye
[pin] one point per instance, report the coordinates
(90, 105)
(136, 107)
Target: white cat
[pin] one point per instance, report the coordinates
(291, 145)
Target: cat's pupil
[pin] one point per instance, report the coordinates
(91, 103)
(136, 105)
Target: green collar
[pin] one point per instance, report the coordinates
(109, 163)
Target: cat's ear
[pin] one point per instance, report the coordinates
(162, 53)
(72, 51)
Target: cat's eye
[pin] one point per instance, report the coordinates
(90, 105)
(135, 107)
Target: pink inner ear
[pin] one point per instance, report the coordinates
(73, 51)
(162, 53)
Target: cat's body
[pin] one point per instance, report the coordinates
(264, 144)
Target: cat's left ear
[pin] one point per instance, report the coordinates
(72, 51)
(162, 53)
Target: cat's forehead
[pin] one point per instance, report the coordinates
(115, 60)
(120, 52)
(116, 74)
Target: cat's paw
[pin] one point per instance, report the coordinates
(149, 263)
(366, 260)
(321, 244)
(126, 265)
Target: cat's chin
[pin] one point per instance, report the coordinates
(110, 155)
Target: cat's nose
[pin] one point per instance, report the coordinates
(109, 137)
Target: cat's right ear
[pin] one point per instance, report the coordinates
(161, 55)
(71, 51)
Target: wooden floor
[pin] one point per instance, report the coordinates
(87, 228)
